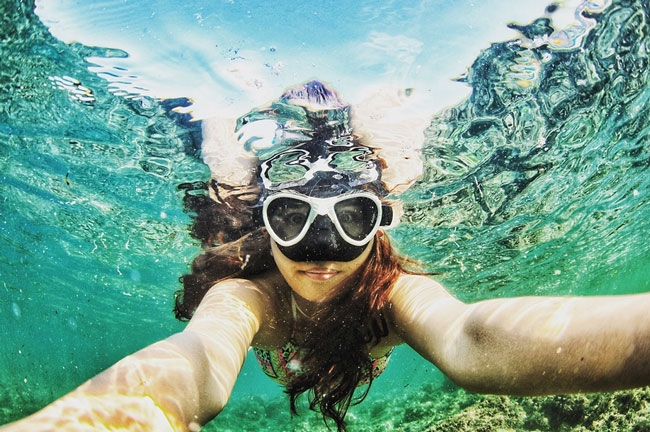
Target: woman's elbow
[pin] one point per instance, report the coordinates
(477, 359)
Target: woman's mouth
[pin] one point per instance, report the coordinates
(320, 274)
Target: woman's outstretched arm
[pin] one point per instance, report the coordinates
(527, 345)
(176, 384)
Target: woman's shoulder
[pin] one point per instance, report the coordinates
(381, 330)
(410, 281)
(412, 291)
(260, 295)
(263, 294)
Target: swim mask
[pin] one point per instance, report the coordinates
(336, 228)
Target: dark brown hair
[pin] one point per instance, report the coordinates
(336, 345)
(245, 257)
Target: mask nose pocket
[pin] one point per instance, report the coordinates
(322, 243)
(323, 231)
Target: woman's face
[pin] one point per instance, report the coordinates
(319, 281)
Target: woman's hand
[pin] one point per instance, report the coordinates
(527, 345)
(176, 384)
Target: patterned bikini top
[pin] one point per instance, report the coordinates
(284, 364)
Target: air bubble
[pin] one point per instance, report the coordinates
(15, 309)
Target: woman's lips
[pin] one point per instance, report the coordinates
(320, 274)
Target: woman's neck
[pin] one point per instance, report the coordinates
(301, 307)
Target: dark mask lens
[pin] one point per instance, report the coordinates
(357, 216)
(287, 217)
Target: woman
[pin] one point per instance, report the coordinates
(297, 265)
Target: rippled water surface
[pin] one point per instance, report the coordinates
(535, 182)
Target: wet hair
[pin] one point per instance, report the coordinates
(234, 242)
(221, 213)
(248, 256)
(336, 347)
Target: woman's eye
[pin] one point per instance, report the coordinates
(295, 218)
(349, 216)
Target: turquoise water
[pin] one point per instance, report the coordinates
(535, 182)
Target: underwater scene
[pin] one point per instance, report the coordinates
(534, 179)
